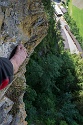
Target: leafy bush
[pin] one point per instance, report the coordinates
(52, 81)
(63, 123)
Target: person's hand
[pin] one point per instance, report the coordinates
(19, 57)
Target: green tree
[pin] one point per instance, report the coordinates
(53, 80)
(63, 123)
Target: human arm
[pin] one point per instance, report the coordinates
(6, 72)
(10, 67)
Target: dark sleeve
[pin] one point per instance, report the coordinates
(6, 72)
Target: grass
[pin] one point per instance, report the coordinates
(77, 15)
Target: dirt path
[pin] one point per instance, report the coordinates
(78, 3)
(72, 46)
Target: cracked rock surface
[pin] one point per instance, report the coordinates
(20, 21)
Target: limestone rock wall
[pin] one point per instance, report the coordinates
(20, 21)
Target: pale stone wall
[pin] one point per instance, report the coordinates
(20, 21)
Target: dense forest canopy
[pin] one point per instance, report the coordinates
(54, 81)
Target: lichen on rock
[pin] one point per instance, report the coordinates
(20, 21)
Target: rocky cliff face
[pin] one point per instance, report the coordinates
(20, 21)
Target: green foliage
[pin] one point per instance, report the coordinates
(51, 90)
(68, 109)
(67, 1)
(77, 14)
(74, 29)
(50, 122)
(53, 77)
(63, 123)
(74, 123)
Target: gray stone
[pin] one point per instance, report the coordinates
(21, 21)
